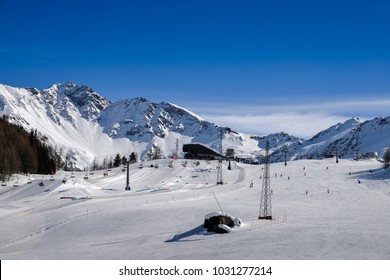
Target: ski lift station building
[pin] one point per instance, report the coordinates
(199, 151)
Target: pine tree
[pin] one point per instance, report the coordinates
(133, 158)
(124, 160)
(110, 163)
(105, 163)
(94, 165)
(117, 160)
(157, 153)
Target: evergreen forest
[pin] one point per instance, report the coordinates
(22, 152)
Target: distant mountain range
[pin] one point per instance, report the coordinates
(83, 126)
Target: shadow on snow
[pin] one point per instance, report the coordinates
(194, 234)
(373, 174)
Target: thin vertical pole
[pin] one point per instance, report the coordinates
(127, 177)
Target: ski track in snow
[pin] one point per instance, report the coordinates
(162, 216)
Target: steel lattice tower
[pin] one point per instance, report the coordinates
(219, 167)
(265, 199)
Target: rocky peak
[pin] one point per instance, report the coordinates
(88, 102)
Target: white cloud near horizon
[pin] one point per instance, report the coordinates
(302, 120)
(301, 125)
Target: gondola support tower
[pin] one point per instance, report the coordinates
(265, 212)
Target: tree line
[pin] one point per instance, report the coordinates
(23, 152)
(112, 162)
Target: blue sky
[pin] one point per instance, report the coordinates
(257, 66)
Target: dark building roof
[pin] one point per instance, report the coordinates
(199, 151)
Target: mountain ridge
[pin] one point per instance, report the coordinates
(88, 126)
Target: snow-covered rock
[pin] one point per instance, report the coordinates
(221, 222)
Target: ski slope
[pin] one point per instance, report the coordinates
(161, 217)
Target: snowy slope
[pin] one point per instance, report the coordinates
(83, 125)
(141, 120)
(323, 142)
(57, 119)
(370, 136)
(277, 140)
(83, 98)
(161, 217)
(346, 139)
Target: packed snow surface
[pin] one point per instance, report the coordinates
(319, 209)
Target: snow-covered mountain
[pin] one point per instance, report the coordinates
(277, 140)
(348, 139)
(83, 125)
(66, 117)
(140, 120)
(328, 141)
(81, 98)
